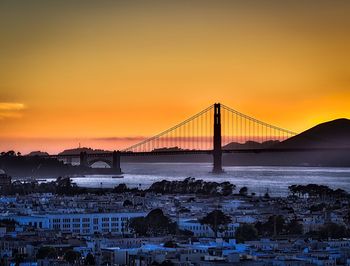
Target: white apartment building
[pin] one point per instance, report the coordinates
(80, 223)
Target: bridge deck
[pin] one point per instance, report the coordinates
(189, 152)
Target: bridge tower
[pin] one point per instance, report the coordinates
(83, 159)
(217, 149)
(116, 162)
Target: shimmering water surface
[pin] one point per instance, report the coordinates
(258, 179)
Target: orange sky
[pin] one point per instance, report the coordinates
(95, 72)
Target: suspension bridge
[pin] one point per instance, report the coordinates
(216, 130)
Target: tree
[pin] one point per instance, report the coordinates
(243, 191)
(10, 224)
(19, 258)
(154, 224)
(226, 188)
(170, 244)
(90, 259)
(167, 263)
(316, 191)
(246, 232)
(71, 256)
(317, 207)
(65, 186)
(127, 203)
(11, 153)
(191, 185)
(274, 223)
(293, 189)
(121, 188)
(164, 263)
(340, 193)
(46, 252)
(347, 217)
(217, 221)
(332, 230)
(266, 195)
(159, 224)
(294, 228)
(138, 225)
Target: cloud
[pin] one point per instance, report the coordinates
(11, 110)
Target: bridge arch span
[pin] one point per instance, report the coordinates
(96, 160)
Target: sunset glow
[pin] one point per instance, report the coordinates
(106, 74)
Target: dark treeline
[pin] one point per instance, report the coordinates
(155, 223)
(189, 185)
(158, 224)
(317, 191)
(65, 186)
(277, 226)
(192, 186)
(61, 186)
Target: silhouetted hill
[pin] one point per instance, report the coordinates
(333, 134)
(37, 153)
(250, 145)
(83, 149)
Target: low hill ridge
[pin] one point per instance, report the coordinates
(333, 134)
